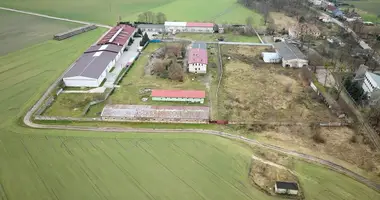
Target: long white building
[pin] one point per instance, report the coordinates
(189, 27)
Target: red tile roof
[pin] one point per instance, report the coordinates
(118, 35)
(179, 93)
(331, 7)
(197, 55)
(199, 24)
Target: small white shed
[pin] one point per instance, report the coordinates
(290, 188)
(271, 57)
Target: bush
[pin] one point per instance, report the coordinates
(317, 137)
(354, 139)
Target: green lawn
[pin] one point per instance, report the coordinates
(108, 12)
(368, 9)
(229, 37)
(135, 81)
(16, 32)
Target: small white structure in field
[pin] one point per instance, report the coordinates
(290, 188)
(271, 57)
(290, 54)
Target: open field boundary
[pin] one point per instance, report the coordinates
(52, 17)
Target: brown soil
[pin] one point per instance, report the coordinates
(282, 21)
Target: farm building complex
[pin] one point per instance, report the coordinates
(290, 55)
(145, 113)
(290, 188)
(198, 59)
(91, 69)
(193, 96)
(192, 27)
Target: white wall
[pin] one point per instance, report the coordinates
(198, 68)
(80, 82)
(369, 84)
(200, 29)
(296, 63)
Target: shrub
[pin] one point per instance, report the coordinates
(317, 137)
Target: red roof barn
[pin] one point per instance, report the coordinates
(197, 55)
(179, 93)
(118, 35)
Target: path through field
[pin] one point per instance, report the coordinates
(56, 18)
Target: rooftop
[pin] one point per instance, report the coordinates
(179, 93)
(151, 26)
(199, 24)
(118, 35)
(197, 55)
(156, 112)
(199, 45)
(91, 65)
(175, 23)
(106, 47)
(288, 51)
(375, 77)
(287, 185)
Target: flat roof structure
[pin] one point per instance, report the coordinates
(91, 65)
(200, 24)
(118, 35)
(179, 93)
(160, 113)
(288, 51)
(106, 47)
(175, 24)
(199, 45)
(287, 185)
(155, 26)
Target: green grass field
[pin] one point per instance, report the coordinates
(17, 32)
(108, 12)
(368, 9)
(75, 165)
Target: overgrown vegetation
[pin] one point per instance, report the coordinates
(150, 17)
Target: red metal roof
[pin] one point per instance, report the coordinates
(118, 35)
(331, 7)
(197, 55)
(179, 93)
(199, 24)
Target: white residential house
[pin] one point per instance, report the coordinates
(198, 58)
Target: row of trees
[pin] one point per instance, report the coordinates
(150, 17)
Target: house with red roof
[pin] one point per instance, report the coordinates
(190, 27)
(193, 96)
(197, 58)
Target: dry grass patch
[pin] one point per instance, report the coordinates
(257, 92)
(337, 144)
(282, 21)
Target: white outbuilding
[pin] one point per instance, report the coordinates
(175, 27)
(290, 188)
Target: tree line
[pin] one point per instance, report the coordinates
(153, 18)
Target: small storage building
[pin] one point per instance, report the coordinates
(290, 188)
(192, 96)
(290, 55)
(271, 57)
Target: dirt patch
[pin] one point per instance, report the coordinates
(339, 143)
(282, 21)
(265, 174)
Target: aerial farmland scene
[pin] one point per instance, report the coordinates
(190, 100)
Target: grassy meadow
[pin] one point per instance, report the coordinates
(17, 32)
(108, 12)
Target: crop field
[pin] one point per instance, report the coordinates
(368, 9)
(19, 30)
(255, 91)
(108, 12)
(136, 84)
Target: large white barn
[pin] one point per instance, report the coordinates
(92, 67)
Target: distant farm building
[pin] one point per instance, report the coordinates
(162, 114)
(73, 32)
(152, 27)
(192, 96)
(92, 67)
(191, 27)
(290, 188)
(290, 55)
(198, 58)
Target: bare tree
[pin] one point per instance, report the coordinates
(176, 72)
(158, 67)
